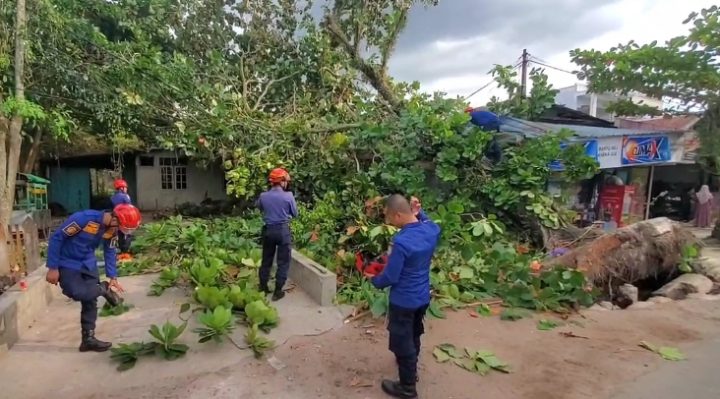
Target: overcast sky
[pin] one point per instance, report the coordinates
(451, 47)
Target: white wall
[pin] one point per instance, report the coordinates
(201, 184)
(577, 97)
(568, 96)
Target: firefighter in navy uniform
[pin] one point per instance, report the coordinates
(121, 196)
(407, 273)
(278, 207)
(71, 263)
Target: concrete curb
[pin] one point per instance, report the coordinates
(19, 309)
(318, 282)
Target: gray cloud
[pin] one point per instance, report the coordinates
(461, 37)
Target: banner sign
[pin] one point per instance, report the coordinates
(591, 150)
(609, 149)
(645, 150)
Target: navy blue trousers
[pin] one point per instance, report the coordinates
(276, 239)
(84, 287)
(406, 327)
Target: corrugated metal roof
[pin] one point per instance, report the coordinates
(680, 123)
(535, 129)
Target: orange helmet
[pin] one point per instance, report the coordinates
(278, 175)
(128, 217)
(120, 183)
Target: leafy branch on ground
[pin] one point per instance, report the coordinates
(476, 361)
(666, 352)
(165, 346)
(108, 310)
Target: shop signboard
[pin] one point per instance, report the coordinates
(642, 150)
(609, 149)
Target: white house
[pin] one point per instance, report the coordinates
(578, 98)
(165, 180)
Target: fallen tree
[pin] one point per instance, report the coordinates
(640, 251)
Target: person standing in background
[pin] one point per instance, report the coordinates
(278, 207)
(121, 196)
(703, 207)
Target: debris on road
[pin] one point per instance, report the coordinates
(570, 334)
(666, 352)
(481, 362)
(636, 252)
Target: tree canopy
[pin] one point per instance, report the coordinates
(684, 70)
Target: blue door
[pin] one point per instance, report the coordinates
(70, 188)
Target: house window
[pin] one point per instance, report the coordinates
(173, 173)
(181, 178)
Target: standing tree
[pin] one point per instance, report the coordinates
(14, 109)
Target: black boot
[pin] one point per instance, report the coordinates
(264, 288)
(278, 295)
(92, 344)
(398, 390)
(110, 296)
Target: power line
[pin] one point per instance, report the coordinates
(479, 90)
(485, 86)
(551, 67)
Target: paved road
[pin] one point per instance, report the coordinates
(695, 378)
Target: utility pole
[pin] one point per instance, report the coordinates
(523, 84)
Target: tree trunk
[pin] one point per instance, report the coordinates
(31, 158)
(375, 77)
(633, 253)
(10, 133)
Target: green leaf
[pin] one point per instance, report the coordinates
(435, 311)
(514, 314)
(670, 353)
(440, 355)
(376, 231)
(379, 306)
(484, 310)
(450, 349)
(547, 325)
(666, 352)
(465, 272)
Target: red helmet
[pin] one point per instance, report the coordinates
(128, 217)
(278, 175)
(368, 266)
(120, 183)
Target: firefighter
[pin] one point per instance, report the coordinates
(278, 207)
(121, 196)
(71, 263)
(407, 273)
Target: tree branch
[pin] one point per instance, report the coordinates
(335, 128)
(377, 80)
(258, 103)
(389, 47)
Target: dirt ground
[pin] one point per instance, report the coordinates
(349, 362)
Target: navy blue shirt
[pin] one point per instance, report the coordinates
(120, 198)
(407, 272)
(277, 205)
(73, 244)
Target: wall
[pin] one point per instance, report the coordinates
(568, 96)
(578, 98)
(201, 184)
